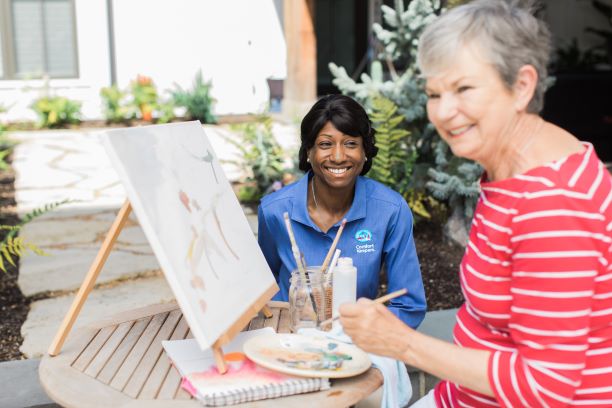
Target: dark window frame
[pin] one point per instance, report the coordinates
(7, 47)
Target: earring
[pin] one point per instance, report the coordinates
(366, 159)
(308, 160)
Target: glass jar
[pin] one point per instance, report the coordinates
(302, 295)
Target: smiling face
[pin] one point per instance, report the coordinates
(471, 107)
(336, 159)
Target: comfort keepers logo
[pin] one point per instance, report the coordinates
(363, 235)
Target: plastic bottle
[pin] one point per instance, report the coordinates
(344, 284)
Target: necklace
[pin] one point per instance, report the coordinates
(314, 196)
(533, 133)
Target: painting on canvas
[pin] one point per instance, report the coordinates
(194, 223)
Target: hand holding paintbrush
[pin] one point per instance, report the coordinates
(381, 299)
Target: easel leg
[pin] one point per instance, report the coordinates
(90, 279)
(266, 312)
(218, 353)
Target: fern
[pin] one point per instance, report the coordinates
(392, 163)
(12, 247)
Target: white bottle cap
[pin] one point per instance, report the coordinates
(345, 261)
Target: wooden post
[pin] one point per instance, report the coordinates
(300, 87)
(90, 279)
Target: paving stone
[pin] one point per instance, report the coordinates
(21, 386)
(45, 316)
(65, 269)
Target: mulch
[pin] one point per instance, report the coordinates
(439, 267)
(13, 305)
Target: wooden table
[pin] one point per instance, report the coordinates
(120, 362)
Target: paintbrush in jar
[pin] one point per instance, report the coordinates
(300, 264)
(333, 246)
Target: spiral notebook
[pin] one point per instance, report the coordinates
(245, 381)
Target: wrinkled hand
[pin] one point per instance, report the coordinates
(374, 328)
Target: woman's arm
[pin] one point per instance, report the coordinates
(267, 243)
(403, 271)
(375, 329)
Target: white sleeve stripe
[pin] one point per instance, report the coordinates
(555, 396)
(496, 207)
(606, 203)
(542, 180)
(557, 254)
(548, 313)
(561, 234)
(483, 342)
(484, 277)
(534, 387)
(555, 375)
(498, 386)
(602, 312)
(514, 380)
(554, 366)
(558, 213)
(553, 275)
(493, 225)
(597, 371)
(496, 247)
(560, 347)
(484, 295)
(580, 170)
(597, 352)
(595, 390)
(556, 333)
(603, 278)
(554, 295)
(485, 257)
(472, 311)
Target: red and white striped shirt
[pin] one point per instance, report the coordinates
(537, 279)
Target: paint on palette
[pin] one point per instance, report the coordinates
(305, 356)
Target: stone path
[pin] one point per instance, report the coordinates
(53, 166)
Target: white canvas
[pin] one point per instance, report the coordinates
(193, 222)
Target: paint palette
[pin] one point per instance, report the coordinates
(307, 356)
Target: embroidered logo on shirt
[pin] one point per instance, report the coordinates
(363, 235)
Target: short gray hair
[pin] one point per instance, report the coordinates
(509, 36)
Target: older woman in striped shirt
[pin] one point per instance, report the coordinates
(536, 326)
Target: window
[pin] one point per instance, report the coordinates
(38, 38)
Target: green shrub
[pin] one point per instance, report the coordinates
(115, 107)
(197, 100)
(262, 157)
(144, 96)
(56, 111)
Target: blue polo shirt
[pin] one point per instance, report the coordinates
(378, 230)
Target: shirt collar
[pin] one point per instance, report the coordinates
(299, 212)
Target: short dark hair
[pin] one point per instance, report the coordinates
(348, 116)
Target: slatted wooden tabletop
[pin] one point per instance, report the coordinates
(120, 362)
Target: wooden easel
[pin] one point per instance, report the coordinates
(96, 268)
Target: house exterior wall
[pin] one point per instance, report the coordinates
(93, 67)
(237, 44)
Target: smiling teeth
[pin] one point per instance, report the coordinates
(460, 130)
(337, 171)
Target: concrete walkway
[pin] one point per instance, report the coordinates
(53, 166)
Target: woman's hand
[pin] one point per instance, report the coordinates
(375, 329)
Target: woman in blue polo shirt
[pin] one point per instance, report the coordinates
(337, 148)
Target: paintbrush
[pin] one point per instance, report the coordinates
(333, 246)
(381, 299)
(298, 260)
